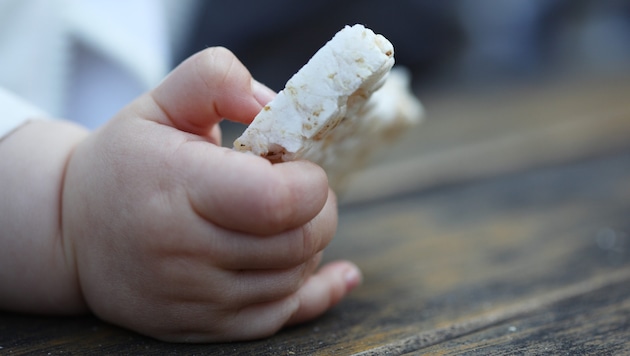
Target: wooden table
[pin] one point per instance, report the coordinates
(500, 226)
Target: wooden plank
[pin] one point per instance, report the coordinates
(550, 320)
(464, 259)
(596, 322)
(489, 247)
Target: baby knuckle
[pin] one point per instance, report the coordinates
(219, 64)
(310, 241)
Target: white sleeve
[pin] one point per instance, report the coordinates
(14, 111)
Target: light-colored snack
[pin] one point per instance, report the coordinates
(390, 111)
(327, 113)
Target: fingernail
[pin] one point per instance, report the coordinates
(262, 93)
(353, 278)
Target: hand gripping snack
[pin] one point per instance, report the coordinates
(327, 114)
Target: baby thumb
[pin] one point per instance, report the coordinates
(206, 88)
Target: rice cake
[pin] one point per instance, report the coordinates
(327, 114)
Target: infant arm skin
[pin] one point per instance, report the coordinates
(150, 224)
(37, 268)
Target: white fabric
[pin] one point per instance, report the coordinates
(14, 112)
(33, 52)
(120, 50)
(81, 59)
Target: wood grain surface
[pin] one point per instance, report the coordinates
(529, 260)
(473, 134)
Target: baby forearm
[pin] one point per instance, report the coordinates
(37, 269)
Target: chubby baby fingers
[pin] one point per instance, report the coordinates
(319, 292)
(232, 250)
(246, 193)
(208, 305)
(207, 87)
(264, 316)
(324, 290)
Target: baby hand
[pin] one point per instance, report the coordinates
(181, 239)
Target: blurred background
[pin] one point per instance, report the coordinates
(85, 59)
(458, 47)
(444, 43)
(99, 54)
